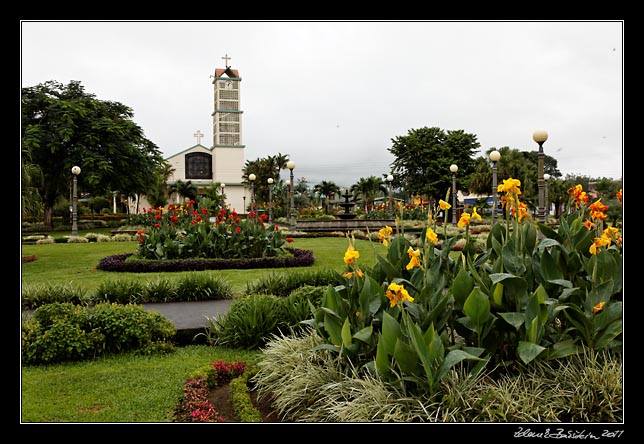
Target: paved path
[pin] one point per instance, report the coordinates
(190, 315)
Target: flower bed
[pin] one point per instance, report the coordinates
(119, 262)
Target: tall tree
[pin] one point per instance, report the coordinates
(368, 188)
(423, 158)
(63, 126)
(326, 189)
(263, 168)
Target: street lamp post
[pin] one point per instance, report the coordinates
(223, 196)
(453, 168)
(75, 171)
(546, 178)
(270, 200)
(390, 179)
(540, 136)
(252, 178)
(494, 157)
(291, 165)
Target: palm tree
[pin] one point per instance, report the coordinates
(31, 174)
(184, 189)
(369, 188)
(157, 195)
(326, 189)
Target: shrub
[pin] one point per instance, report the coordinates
(249, 322)
(203, 287)
(36, 295)
(282, 284)
(297, 305)
(66, 332)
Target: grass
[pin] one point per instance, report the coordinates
(119, 388)
(76, 263)
(129, 388)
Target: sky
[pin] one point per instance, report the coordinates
(332, 95)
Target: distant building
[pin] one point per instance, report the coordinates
(222, 162)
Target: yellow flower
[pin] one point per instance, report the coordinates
(384, 234)
(597, 308)
(444, 205)
(475, 215)
(510, 186)
(414, 255)
(588, 225)
(348, 275)
(431, 236)
(599, 242)
(464, 220)
(351, 255)
(397, 294)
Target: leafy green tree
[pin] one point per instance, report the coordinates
(30, 178)
(325, 189)
(368, 188)
(63, 126)
(186, 190)
(263, 168)
(423, 158)
(157, 195)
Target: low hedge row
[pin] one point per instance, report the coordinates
(119, 262)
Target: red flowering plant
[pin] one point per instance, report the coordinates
(197, 230)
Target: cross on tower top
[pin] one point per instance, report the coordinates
(226, 60)
(198, 135)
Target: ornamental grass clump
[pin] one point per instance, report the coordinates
(532, 294)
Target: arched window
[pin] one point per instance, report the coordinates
(198, 166)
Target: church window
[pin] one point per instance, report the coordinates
(198, 166)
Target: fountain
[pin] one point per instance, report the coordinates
(347, 206)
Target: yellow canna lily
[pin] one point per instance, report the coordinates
(431, 236)
(597, 308)
(397, 294)
(475, 215)
(464, 220)
(444, 205)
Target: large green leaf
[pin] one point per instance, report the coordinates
(514, 318)
(451, 359)
(462, 286)
(477, 307)
(563, 348)
(382, 359)
(528, 351)
(346, 333)
(406, 358)
(364, 334)
(390, 333)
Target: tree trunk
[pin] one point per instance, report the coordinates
(47, 217)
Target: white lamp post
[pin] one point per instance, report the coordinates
(540, 136)
(494, 157)
(251, 178)
(453, 168)
(75, 171)
(270, 200)
(223, 196)
(291, 165)
(390, 179)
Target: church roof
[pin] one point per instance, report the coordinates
(232, 73)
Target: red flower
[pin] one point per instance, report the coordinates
(289, 239)
(237, 229)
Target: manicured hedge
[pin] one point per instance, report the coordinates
(118, 262)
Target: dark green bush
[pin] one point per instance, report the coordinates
(250, 322)
(122, 291)
(282, 284)
(37, 295)
(65, 332)
(203, 287)
(296, 305)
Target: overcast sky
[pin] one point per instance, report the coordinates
(332, 95)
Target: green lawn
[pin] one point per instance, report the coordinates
(75, 263)
(129, 388)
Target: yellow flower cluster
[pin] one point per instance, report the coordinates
(397, 294)
(414, 258)
(384, 234)
(609, 235)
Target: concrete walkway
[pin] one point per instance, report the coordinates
(190, 315)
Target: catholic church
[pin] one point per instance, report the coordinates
(223, 162)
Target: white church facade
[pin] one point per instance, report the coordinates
(222, 162)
